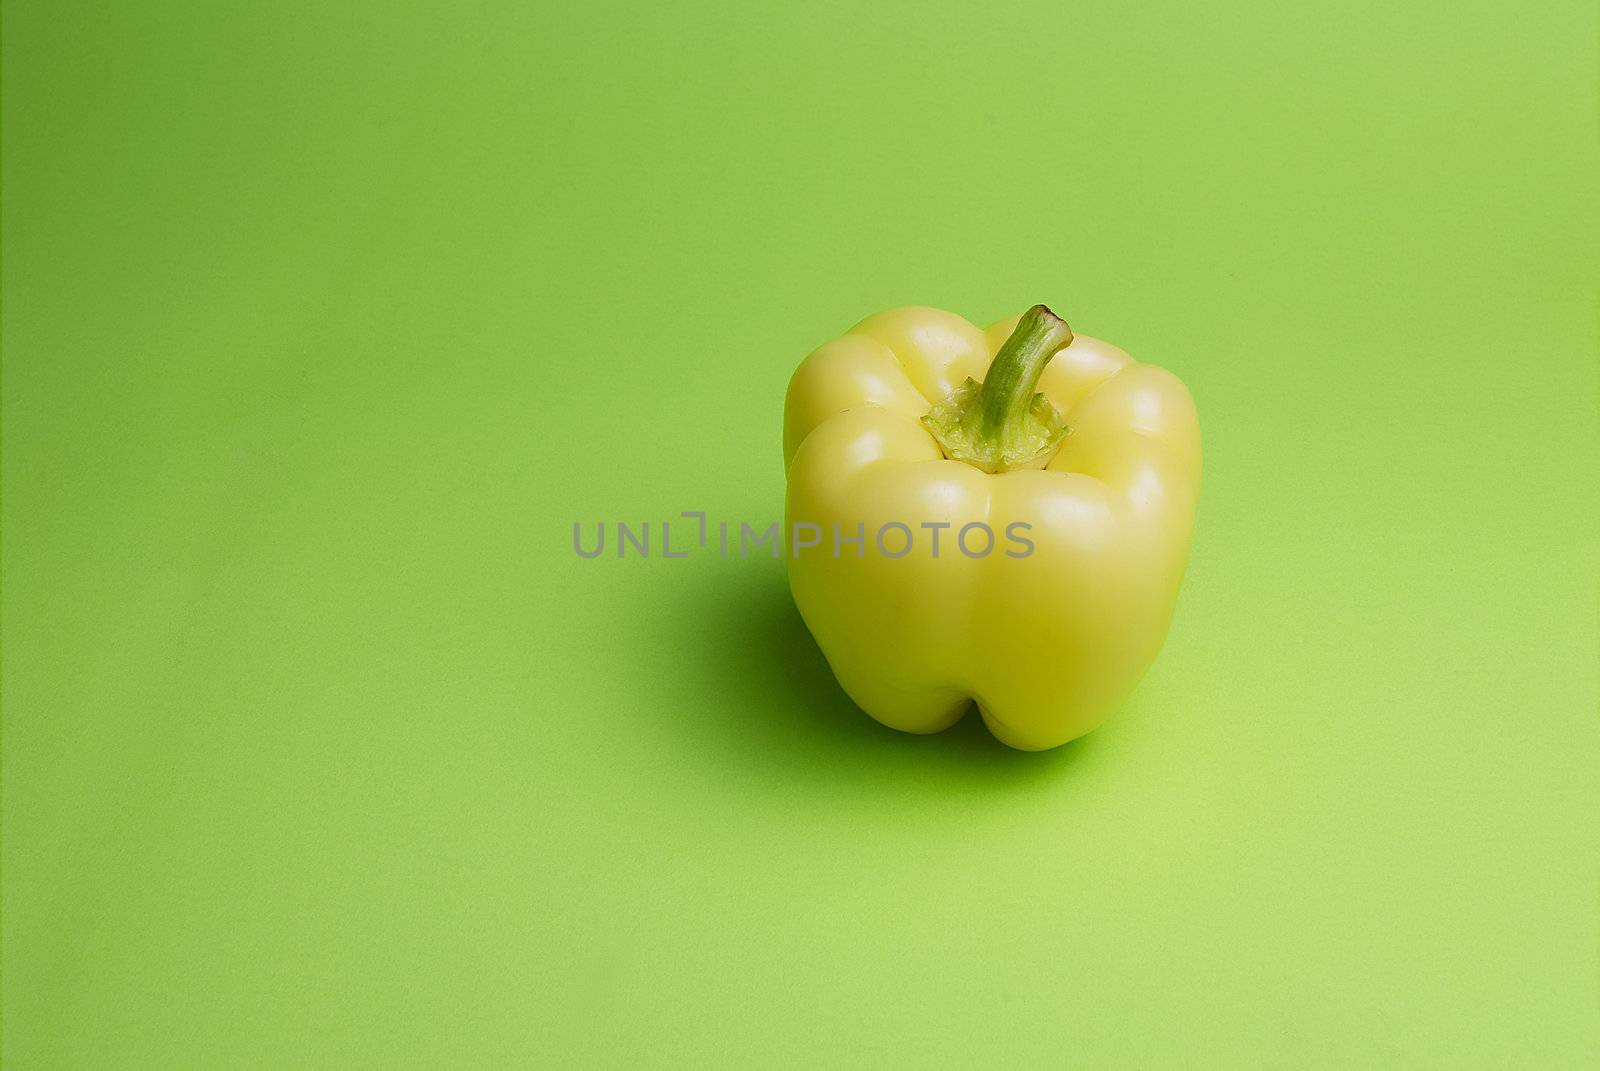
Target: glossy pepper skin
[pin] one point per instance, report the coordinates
(1047, 644)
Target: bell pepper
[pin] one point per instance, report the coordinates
(915, 434)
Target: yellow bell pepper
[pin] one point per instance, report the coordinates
(951, 540)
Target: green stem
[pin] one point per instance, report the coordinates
(1013, 377)
(1003, 424)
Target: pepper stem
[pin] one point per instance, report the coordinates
(1003, 424)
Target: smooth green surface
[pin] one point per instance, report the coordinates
(324, 323)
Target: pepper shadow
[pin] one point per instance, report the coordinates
(783, 704)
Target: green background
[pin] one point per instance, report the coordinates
(324, 323)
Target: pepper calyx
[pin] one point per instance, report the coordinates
(1003, 424)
